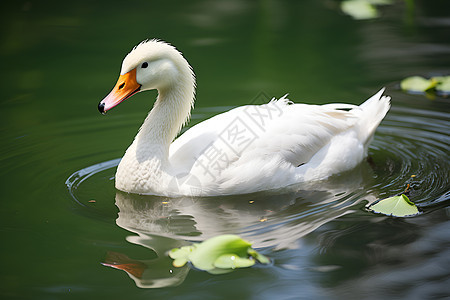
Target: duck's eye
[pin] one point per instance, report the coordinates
(144, 65)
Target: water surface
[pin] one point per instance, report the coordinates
(62, 217)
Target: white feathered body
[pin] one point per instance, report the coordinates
(247, 149)
(261, 147)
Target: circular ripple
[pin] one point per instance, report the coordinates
(411, 148)
(92, 189)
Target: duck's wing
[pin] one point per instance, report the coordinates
(268, 146)
(293, 132)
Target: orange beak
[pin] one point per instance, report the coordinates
(125, 87)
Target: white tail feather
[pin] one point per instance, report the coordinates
(370, 114)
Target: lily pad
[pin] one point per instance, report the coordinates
(443, 85)
(435, 85)
(232, 261)
(397, 206)
(418, 84)
(218, 255)
(359, 10)
(180, 255)
(258, 256)
(362, 9)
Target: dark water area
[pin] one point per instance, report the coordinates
(62, 217)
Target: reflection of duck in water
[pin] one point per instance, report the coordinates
(197, 219)
(267, 220)
(247, 149)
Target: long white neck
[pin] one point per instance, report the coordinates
(170, 112)
(145, 165)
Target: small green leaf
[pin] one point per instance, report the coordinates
(443, 85)
(179, 262)
(218, 255)
(181, 255)
(417, 84)
(359, 9)
(182, 252)
(258, 256)
(208, 251)
(232, 261)
(397, 206)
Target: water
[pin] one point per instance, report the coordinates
(62, 217)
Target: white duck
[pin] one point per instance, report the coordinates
(247, 149)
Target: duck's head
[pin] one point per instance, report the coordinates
(150, 65)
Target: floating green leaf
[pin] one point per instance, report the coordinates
(232, 261)
(359, 10)
(180, 255)
(362, 9)
(443, 85)
(218, 255)
(418, 84)
(397, 206)
(435, 85)
(258, 256)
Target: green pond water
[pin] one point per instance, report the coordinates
(63, 222)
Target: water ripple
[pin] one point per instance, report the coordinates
(414, 145)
